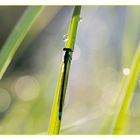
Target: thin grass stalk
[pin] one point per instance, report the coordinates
(129, 47)
(128, 90)
(109, 121)
(16, 37)
(57, 109)
(131, 31)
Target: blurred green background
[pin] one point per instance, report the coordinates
(106, 42)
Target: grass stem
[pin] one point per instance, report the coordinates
(57, 109)
(16, 37)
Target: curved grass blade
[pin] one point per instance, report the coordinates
(16, 37)
(129, 44)
(131, 31)
(109, 121)
(129, 87)
(56, 116)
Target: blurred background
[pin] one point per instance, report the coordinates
(106, 42)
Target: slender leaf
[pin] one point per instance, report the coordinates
(129, 87)
(129, 44)
(16, 37)
(131, 31)
(56, 116)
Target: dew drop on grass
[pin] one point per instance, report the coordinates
(80, 19)
(65, 38)
(126, 71)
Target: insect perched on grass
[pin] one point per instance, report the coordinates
(56, 116)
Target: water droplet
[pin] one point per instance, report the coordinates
(80, 19)
(65, 38)
(126, 71)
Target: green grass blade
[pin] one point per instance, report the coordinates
(129, 45)
(131, 31)
(55, 120)
(16, 37)
(129, 87)
(109, 121)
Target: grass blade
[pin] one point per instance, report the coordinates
(129, 87)
(16, 37)
(109, 121)
(129, 45)
(57, 109)
(131, 31)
